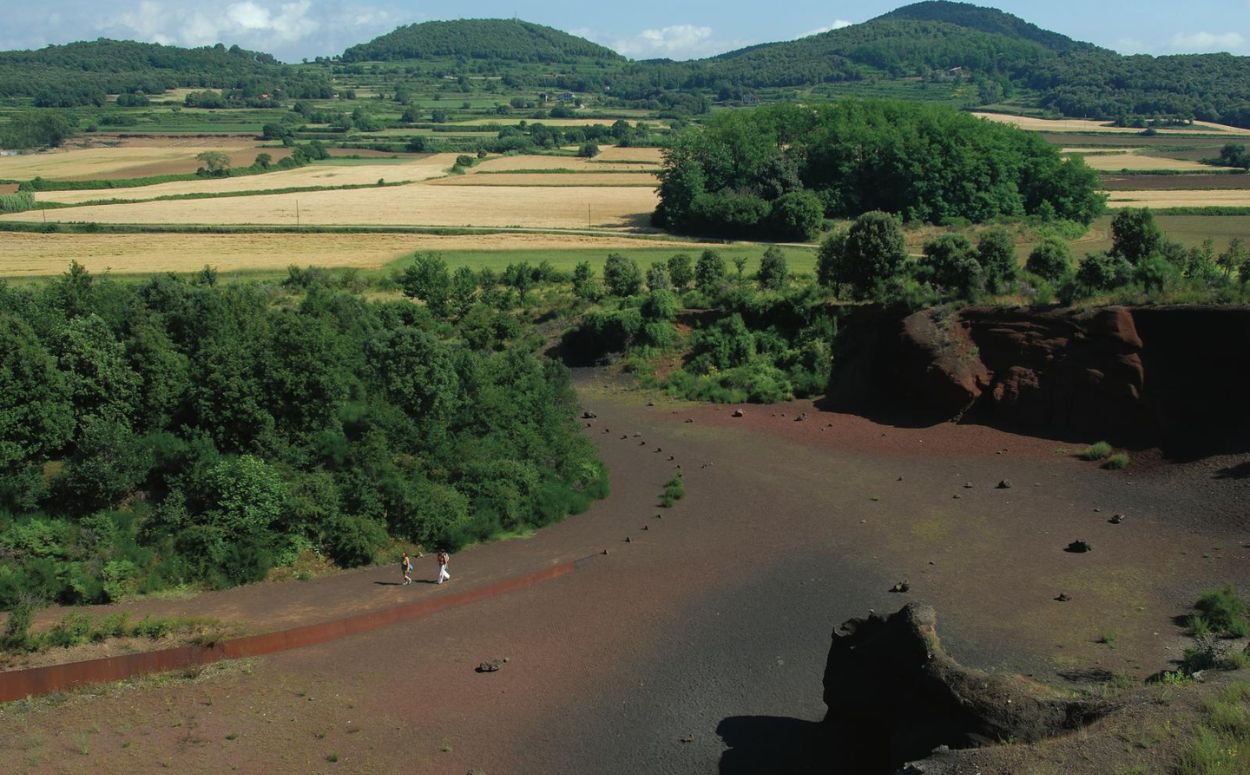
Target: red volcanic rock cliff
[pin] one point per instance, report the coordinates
(1148, 375)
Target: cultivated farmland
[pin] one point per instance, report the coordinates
(568, 207)
(321, 175)
(49, 254)
(1035, 124)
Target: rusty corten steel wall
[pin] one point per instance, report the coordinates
(17, 684)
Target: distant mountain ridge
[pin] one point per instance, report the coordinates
(994, 54)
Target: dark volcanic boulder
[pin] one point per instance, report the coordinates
(890, 681)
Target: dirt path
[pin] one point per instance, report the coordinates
(715, 617)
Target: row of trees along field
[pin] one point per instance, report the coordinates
(779, 171)
(172, 431)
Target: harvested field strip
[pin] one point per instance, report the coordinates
(37, 254)
(564, 207)
(216, 195)
(38, 681)
(1138, 161)
(119, 162)
(1084, 125)
(535, 178)
(526, 162)
(312, 175)
(1181, 198)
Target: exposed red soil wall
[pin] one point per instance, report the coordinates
(1145, 376)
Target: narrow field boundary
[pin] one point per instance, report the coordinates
(33, 682)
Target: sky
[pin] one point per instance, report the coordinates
(641, 29)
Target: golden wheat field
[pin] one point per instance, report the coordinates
(1082, 125)
(565, 207)
(420, 168)
(124, 160)
(24, 255)
(1208, 198)
(556, 179)
(1114, 162)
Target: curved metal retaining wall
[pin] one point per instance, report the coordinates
(18, 684)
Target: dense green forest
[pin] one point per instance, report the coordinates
(79, 74)
(174, 431)
(782, 169)
(499, 39)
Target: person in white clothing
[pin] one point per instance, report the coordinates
(443, 559)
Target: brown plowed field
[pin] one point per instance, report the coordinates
(1112, 182)
(710, 626)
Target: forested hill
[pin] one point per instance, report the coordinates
(989, 20)
(506, 39)
(1002, 54)
(83, 73)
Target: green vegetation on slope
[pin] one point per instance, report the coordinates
(172, 432)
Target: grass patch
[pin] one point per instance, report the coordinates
(1117, 462)
(1223, 612)
(1096, 451)
(674, 490)
(1221, 742)
(76, 629)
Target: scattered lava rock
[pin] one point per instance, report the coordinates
(900, 587)
(1079, 547)
(1116, 519)
(689, 419)
(739, 413)
(802, 416)
(1005, 484)
(490, 665)
(588, 415)
(1062, 598)
(687, 738)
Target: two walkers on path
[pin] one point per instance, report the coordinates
(405, 567)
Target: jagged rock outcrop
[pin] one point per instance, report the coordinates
(890, 681)
(1146, 375)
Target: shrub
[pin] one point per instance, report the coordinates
(1096, 451)
(674, 490)
(681, 271)
(1051, 259)
(621, 275)
(17, 635)
(354, 541)
(73, 630)
(1224, 611)
(1117, 462)
(773, 270)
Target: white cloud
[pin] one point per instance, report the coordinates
(836, 25)
(679, 41)
(1207, 41)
